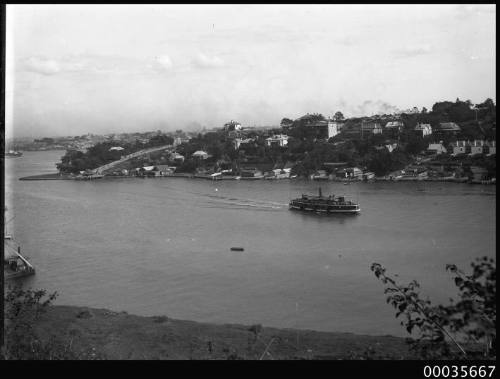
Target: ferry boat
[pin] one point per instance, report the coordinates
(324, 204)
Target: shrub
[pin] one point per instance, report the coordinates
(469, 323)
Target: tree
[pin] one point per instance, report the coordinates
(338, 116)
(23, 308)
(468, 323)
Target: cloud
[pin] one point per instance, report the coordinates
(49, 66)
(413, 51)
(162, 63)
(42, 65)
(205, 61)
(467, 10)
(369, 107)
(94, 64)
(347, 40)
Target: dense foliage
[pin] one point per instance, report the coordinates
(100, 154)
(307, 148)
(468, 324)
(23, 307)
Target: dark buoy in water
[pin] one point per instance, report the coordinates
(237, 249)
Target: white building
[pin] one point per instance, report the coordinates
(242, 141)
(180, 140)
(391, 147)
(176, 157)
(437, 148)
(425, 129)
(397, 125)
(477, 147)
(232, 125)
(200, 154)
(461, 147)
(277, 140)
(334, 128)
(370, 127)
(492, 147)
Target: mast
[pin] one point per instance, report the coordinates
(319, 191)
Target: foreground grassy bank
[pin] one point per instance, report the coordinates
(119, 335)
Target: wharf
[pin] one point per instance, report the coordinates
(15, 265)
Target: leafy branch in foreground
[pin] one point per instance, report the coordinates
(467, 323)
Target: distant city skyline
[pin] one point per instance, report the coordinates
(78, 69)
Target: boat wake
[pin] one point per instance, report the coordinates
(232, 202)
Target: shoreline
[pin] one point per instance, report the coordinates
(119, 335)
(57, 176)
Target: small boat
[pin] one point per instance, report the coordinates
(237, 249)
(324, 204)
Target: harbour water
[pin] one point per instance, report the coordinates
(162, 246)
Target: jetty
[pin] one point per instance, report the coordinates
(15, 265)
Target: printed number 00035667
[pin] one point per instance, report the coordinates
(459, 371)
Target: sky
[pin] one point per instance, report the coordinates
(77, 69)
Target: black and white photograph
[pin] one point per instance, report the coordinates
(250, 182)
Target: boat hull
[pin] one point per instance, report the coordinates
(325, 211)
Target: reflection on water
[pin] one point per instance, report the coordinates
(162, 246)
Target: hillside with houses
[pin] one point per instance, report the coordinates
(454, 141)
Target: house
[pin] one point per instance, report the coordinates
(390, 147)
(180, 140)
(324, 129)
(436, 148)
(370, 127)
(352, 130)
(200, 154)
(414, 171)
(425, 129)
(477, 147)
(448, 128)
(461, 147)
(368, 175)
(243, 142)
(164, 170)
(278, 173)
(251, 172)
(146, 171)
(478, 173)
(231, 126)
(277, 140)
(320, 175)
(349, 172)
(320, 127)
(491, 147)
(443, 167)
(334, 128)
(176, 158)
(394, 125)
